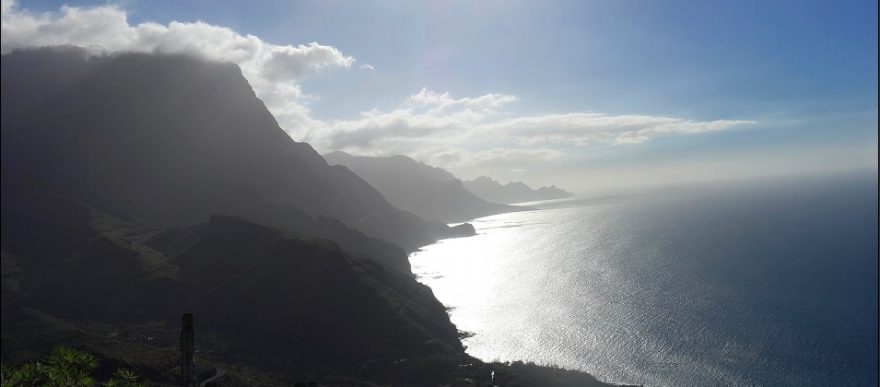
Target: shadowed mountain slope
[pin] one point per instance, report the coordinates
(513, 192)
(429, 192)
(171, 140)
(266, 296)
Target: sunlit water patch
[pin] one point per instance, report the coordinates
(768, 285)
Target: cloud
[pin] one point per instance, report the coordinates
(285, 63)
(589, 128)
(273, 70)
(435, 103)
(426, 116)
(430, 114)
(479, 132)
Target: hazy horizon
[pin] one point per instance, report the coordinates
(586, 96)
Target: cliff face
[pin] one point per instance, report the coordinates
(429, 192)
(312, 302)
(171, 140)
(513, 192)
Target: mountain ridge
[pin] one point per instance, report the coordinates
(512, 192)
(425, 190)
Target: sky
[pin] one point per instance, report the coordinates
(581, 94)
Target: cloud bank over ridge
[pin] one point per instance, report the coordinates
(273, 70)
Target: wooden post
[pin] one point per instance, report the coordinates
(187, 342)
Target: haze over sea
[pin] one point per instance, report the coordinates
(763, 282)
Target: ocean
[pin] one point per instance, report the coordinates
(767, 282)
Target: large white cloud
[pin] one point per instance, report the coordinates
(273, 70)
(457, 133)
(428, 115)
(477, 132)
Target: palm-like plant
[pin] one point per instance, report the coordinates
(123, 378)
(65, 367)
(69, 367)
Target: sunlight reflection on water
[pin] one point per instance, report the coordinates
(520, 307)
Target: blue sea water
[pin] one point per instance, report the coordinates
(748, 283)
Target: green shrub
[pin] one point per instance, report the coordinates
(65, 367)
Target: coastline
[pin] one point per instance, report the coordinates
(465, 335)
